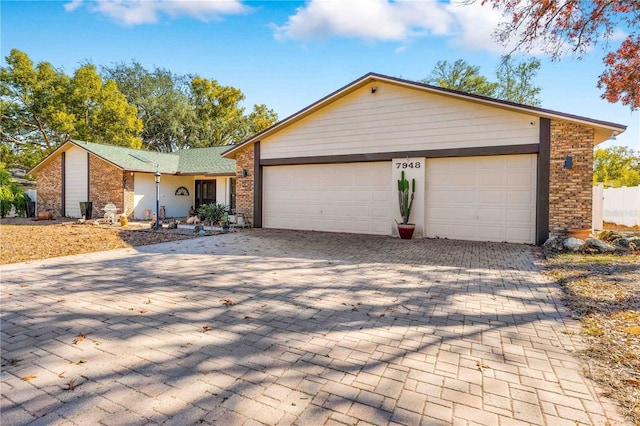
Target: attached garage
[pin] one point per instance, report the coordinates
(485, 169)
(350, 197)
(482, 198)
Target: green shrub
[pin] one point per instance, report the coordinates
(212, 212)
(11, 195)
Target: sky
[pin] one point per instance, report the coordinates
(289, 54)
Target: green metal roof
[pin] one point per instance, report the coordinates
(186, 161)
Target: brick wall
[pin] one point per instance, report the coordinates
(244, 185)
(49, 187)
(570, 191)
(106, 182)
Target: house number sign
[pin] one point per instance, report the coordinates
(408, 164)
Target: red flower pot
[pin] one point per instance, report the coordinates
(406, 230)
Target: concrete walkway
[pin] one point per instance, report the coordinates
(277, 327)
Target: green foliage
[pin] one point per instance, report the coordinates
(405, 201)
(41, 108)
(185, 111)
(11, 195)
(162, 102)
(212, 212)
(616, 166)
(461, 76)
(515, 81)
(220, 120)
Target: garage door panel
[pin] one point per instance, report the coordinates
(353, 197)
(489, 198)
(526, 198)
(492, 179)
(491, 215)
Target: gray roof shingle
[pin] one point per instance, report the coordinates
(186, 161)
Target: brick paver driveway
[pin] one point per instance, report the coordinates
(276, 327)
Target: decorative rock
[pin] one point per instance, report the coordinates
(553, 244)
(574, 244)
(599, 246)
(634, 243)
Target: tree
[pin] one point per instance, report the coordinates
(162, 100)
(616, 166)
(220, 120)
(515, 81)
(41, 108)
(461, 76)
(186, 111)
(11, 195)
(569, 26)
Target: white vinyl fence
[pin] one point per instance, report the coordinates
(617, 205)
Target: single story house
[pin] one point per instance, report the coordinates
(485, 169)
(81, 171)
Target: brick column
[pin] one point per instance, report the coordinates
(570, 190)
(244, 185)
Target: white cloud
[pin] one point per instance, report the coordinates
(470, 26)
(474, 26)
(136, 12)
(372, 20)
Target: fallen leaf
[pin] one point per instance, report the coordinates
(81, 361)
(71, 385)
(248, 317)
(206, 328)
(80, 338)
(142, 311)
(632, 382)
(27, 378)
(14, 361)
(481, 366)
(148, 302)
(61, 375)
(227, 302)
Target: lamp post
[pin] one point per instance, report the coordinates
(157, 179)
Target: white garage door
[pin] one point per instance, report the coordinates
(482, 198)
(352, 197)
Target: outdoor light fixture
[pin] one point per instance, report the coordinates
(157, 179)
(374, 89)
(245, 173)
(568, 162)
(613, 136)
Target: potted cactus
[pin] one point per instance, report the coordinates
(405, 200)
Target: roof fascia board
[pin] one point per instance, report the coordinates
(48, 158)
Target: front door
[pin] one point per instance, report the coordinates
(205, 192)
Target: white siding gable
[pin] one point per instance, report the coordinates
(76, 180)
(397, 118)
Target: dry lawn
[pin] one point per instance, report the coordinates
(27, 239)
(603, 293)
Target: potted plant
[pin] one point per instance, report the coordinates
(405, 201)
